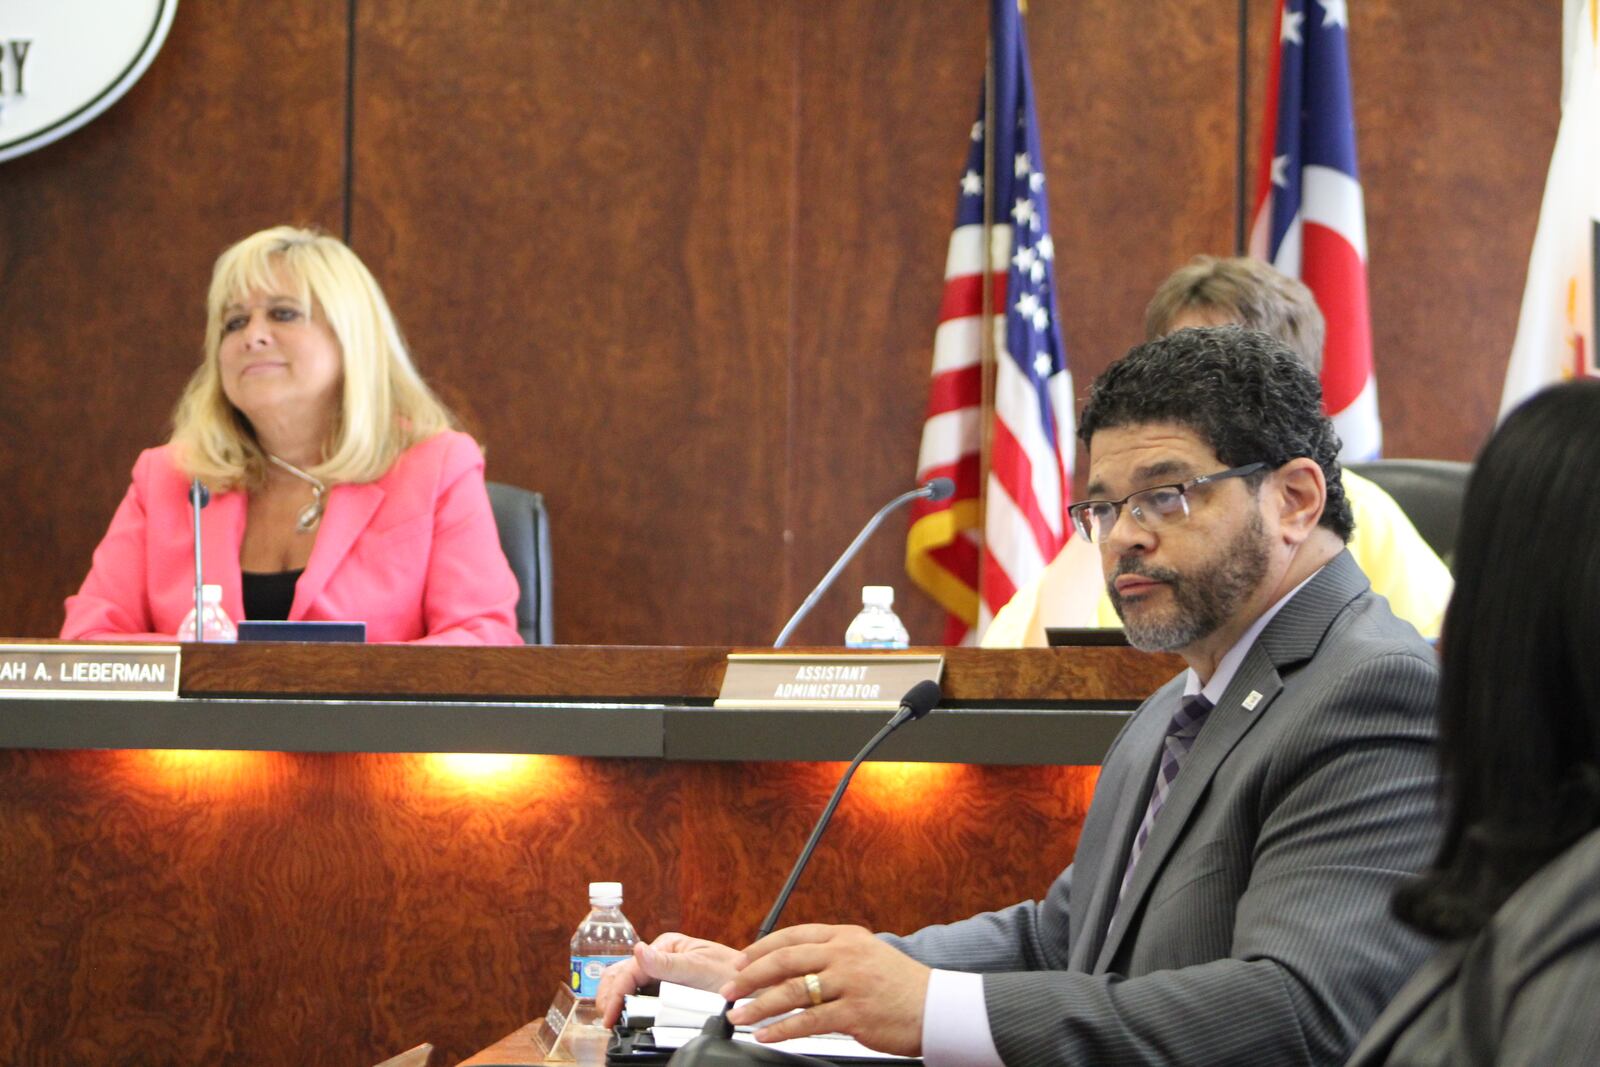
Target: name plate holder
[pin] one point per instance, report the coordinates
(866, 681)
(569, 1027)
(90, 672)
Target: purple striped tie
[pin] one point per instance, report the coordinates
(1181, 732)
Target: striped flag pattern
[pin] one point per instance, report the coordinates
(1001, 527)
(1310, 220)
(1559, 325)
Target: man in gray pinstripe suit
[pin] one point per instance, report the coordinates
(1228, 902)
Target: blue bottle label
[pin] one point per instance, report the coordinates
(586, 973)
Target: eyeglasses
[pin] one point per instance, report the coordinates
(1154, 508)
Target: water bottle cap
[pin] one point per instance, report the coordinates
(605, 892)
(211, 594)
(877, 596)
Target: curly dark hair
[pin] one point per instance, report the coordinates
(1245, 393)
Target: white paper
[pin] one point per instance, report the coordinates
(686, 1006)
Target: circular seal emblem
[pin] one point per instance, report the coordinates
(63, 62)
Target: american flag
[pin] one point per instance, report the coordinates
(1310, 219)
(971, 551)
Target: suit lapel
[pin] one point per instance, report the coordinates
(1125, 788)
(1246, 699)
(1289, 639)
(350, 510)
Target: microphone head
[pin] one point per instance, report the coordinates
(939, 489)
(922, 698)
(199, 493)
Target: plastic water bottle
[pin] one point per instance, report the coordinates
(216, 626)
(604, 937)
(877, 626)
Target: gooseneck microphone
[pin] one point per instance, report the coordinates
(199, 497)
(935, 489)
(715, 1046)
(918, 701)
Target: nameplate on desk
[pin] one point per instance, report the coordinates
(861, 680)
(90, 672)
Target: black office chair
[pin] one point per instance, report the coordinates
(525, 538)
(1429, 491)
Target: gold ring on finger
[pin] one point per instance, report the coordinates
(814, 989)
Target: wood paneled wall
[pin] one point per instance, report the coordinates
(259, 907)
(679, 263)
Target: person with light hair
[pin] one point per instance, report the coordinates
(340, 488)
(1212, 291)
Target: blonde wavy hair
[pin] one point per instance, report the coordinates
(385, 406)
(1244, 290)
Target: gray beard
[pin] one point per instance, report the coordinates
(1203, 599)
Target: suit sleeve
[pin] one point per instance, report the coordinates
(113, 602)
(1314, 953)
(470, 597)
(1028, 936)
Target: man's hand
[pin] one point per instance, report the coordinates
(870, 991)
(690, 961)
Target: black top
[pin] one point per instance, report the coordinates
(269, 596)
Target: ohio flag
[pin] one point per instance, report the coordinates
(1310, 219)
(1002, 525)
(1561, 303)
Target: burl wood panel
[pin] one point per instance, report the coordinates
(334, 909)
(106, 243)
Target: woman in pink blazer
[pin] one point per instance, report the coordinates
(339, 489)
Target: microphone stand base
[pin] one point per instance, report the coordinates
(708, 1050)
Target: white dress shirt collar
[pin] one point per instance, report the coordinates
(1228, 665)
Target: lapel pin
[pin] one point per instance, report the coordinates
(1252, 700)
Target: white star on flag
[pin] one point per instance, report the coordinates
(1291, 26)
(1042, 364)
(1335, 13)
(1047, 248)
(1041, 319)
(1035, 181)
(1280, 171)
(1028, 305)
(977, 130)
(1025, 258)
(1036, 272)
(1023, 212)
(971, 184)
(1024, 168)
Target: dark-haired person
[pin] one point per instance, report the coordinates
(1515, 890)
(340, 487)
(1208, 291)
(1228, 900)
